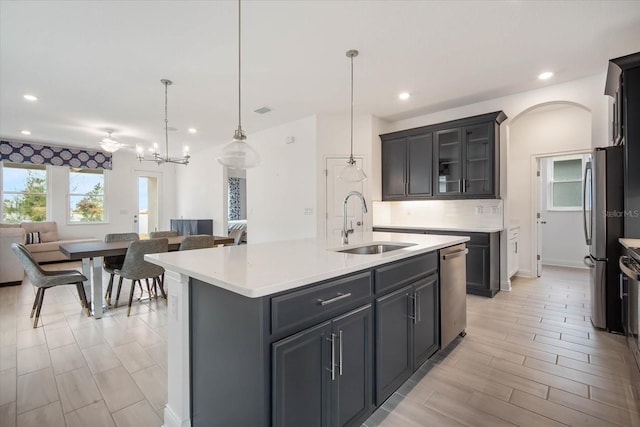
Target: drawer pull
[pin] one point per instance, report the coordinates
(334, 299)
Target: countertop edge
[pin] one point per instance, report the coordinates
(629, 243)
(462, 229)
(300, 282)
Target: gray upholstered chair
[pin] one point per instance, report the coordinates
(161, 234)
(47, 279)
(112, 263)
(200, 241)
(135, 268)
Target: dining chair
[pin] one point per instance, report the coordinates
(112, 263)
(161, 234)
(44, 280)
(200, 241)
(236, 235)
(135, 268)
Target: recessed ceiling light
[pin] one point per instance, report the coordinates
(404, 95)
(25, 132)
(31, 98)
(546, 75)
(193, 130)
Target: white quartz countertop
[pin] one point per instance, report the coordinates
(630, 243)
(256, 270)
(461, 229)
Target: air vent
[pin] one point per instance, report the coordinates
(262, 110)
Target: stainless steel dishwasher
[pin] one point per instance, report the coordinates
(453, 293)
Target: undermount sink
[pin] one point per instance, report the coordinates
(375, 248)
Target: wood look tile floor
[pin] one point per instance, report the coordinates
(77, 371)
(530, 358)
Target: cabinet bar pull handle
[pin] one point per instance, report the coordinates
(455, 254)
(412, 316)
(333, 356)
(334, 299)
(417, 303)
(340, 360)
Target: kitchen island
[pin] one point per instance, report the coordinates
(285, 333)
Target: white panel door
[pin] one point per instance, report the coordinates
(336, 190)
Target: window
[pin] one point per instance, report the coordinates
(24, 192)
(565, 182)
(86, 195)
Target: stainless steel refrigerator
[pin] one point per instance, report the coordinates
(603, 208)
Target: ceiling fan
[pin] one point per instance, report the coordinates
(110, 144)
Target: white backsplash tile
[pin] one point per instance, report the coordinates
(480, 213)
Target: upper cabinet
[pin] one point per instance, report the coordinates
(457, 159)
(403, 173)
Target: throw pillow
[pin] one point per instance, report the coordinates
(32, 238)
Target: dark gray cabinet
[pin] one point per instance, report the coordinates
(321, 376)
(407, 333)
(456, 159)
(313, 356)
(426, 320)
(393, 342)
(406, 167)
(302, 356)
(483, 259)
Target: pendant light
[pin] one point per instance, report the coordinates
(238, 154)
(352, 172)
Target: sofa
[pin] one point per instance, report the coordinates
(47, 250)
(11, 271)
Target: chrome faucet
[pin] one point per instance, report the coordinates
(345, 231)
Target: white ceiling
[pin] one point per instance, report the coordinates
(98, 64)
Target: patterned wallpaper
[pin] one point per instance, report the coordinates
(234, 199)
(21, 152)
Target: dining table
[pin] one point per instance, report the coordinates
(92, 253)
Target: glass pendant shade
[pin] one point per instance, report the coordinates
(238, 154)
(352, 173)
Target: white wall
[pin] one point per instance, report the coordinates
(587, 92)
(201, 190)
(562, 236)
(282, 188)
(121, 205)
(334, 141)
(546, 130)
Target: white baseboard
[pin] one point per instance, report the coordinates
(563, 263)
(172, 420)
(524, 273)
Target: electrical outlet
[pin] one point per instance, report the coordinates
(308, 211)
(478, 210)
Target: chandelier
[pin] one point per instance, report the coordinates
(157, 157)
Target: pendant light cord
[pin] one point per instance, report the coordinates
(166, 120)
(351, 155)
(239, 70)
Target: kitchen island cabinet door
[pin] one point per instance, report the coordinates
(352, 398)
(393, 342)
(426, 322)
(301, 375)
